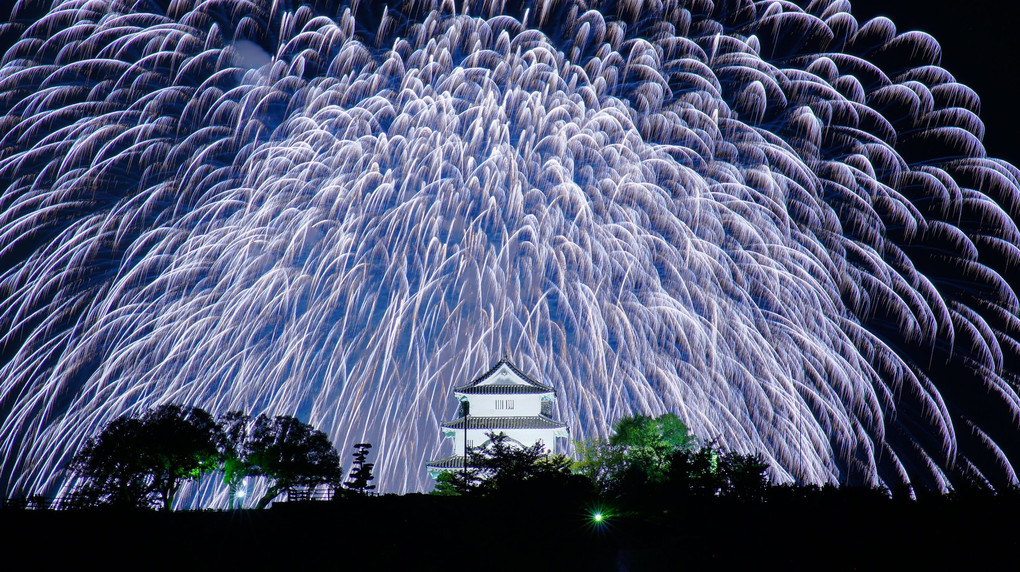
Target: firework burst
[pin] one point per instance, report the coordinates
(770, 218)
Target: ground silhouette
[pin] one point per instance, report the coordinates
(797, 528)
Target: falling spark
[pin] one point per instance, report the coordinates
(776, 221)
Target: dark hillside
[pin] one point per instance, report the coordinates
(848, 530)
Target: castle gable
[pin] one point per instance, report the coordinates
(503, 377)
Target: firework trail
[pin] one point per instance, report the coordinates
(776, 221)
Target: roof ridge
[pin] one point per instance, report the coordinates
(504, 360)
(481, 421)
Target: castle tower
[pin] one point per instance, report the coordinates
(502, 400)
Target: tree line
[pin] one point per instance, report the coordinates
(644, 456)
(650, 463)
(143, 461)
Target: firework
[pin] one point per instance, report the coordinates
(769, 218)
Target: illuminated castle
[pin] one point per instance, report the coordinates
(502, 400)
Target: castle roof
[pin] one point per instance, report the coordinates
(446, 463)
(507, 378)
(495, 423)
(508, 388)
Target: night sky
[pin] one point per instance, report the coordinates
(980, 47)
(715, 308)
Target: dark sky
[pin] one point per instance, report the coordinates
(980, 42)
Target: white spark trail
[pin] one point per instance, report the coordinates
(764, 216)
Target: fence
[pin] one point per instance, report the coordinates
(305, 494)
(39, 502)
(72, 501)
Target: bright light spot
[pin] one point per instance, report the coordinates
(597, 517)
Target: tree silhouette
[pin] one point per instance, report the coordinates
(746, 476)
(182, 446)
(111, 470)
(361, 472)
(290, 453)
(708, 472)
(501, 464)
(141, 462)
(696, 472)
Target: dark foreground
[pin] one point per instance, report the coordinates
(418, 532)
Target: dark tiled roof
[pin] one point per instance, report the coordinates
(452, 462)
(496, 367)
(515, 388)
(534, 422)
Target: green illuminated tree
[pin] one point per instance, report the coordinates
(233, 460)
(661, 451)
(639, 451)
(601, 462)
(290, 453)
(653, 439)
(454, 483)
